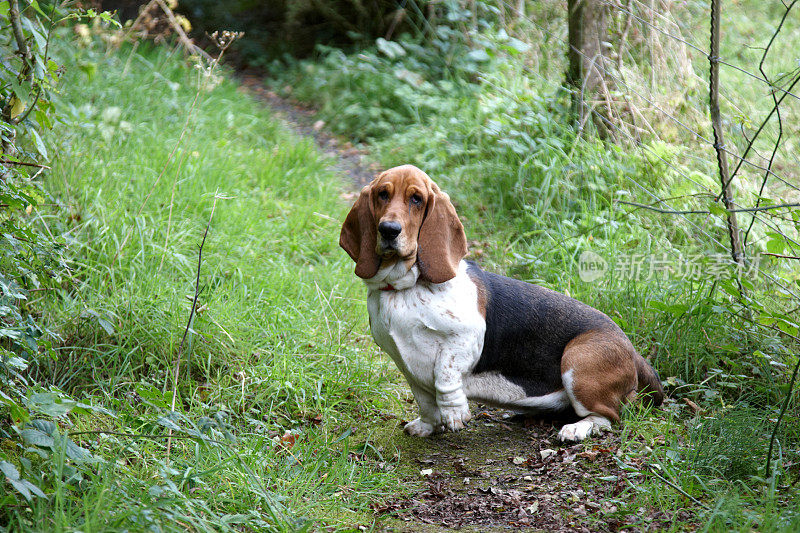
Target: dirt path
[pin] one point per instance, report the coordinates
(499, 473)
(504, 472)
(346, 159)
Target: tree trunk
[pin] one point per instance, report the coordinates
(588, 30)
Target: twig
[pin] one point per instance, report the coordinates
(706, 212)
(652, 470)
(768, 468)
(666, 211)
(16, 27)
(624, 38)
(743, 158)
(22, 163)
(143, 436)
(781, 255)
(25, 72)
(191, 317)
(142, 12)
(171, 206)
(46, 54)
(185, 41)
(160, 175)
(211, 318)
(777, 112)
(223, 43)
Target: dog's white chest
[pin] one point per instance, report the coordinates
(416, 324)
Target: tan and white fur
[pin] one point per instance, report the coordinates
(459, 333)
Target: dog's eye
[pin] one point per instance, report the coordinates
(416, 199)
(383, 195)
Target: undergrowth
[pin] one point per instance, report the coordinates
(277, 384)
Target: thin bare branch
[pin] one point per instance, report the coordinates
(707, 212)
(179, 355)
(22, 163)
(781, 255)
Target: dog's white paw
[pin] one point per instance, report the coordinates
(591, 425)
(456, 417)
(418, 428)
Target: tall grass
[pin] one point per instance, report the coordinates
(277, 380)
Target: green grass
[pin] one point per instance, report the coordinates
(277, 346)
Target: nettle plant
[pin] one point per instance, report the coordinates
(31, 257)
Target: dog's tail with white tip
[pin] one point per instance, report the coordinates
(649, 382)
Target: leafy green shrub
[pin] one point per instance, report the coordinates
(373, 95)
(30, 258)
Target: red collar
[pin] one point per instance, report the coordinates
(388, 288)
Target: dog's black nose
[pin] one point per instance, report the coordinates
(390, 229)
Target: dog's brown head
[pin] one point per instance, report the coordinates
(404, 216)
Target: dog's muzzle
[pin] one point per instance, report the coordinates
(389, 231)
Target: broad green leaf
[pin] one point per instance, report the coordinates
(655, 304)
(21, 488)
(17, 106)
(787, 327)
(9, 470)
(37, 438)
(33, 488)
(776, 244)
(235, 518)
(167, 423)
(153, 396)
(77, 453)
(10, 333)
(514, 45)
(41, 40)
(35, 5)
(45, 426)
(39, 143)
(389, 48)
(17, 362)
(677, 309)
(717, 209)
(106, 325)
(50, 404)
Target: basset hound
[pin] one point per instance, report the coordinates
(459, 333)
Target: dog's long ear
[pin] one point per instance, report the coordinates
(442, 242)
(359, 236)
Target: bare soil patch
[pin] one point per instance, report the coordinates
(345, 157)
(504, 472)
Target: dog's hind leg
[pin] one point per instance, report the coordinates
(598, 373)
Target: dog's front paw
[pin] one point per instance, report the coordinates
(419, 428)
(456, 417)
(591, 425)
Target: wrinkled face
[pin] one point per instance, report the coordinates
(399, 198)
(403, 216)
